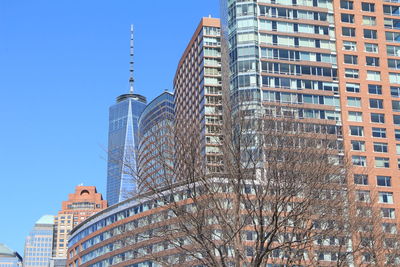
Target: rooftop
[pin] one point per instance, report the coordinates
(6, 251)
(46, 219)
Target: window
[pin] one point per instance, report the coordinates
(368, 7)
(379, 132)
(359, 161)
(363, 196)
(371, 48)
(381, 147)
(375, 89)
(370, 34)
(349, 46)
(394, 64)
(357, 145)
(391, 10)
(398, 149)
(346, 4)
(347, 18)
(377, 117)
(355, 116)
(351, 73)
(347, 31)
(394, 77)
(364, 212)
(382, 162)
(354, 101)
(350, 59)
(361, 179)
(396, 119)
(376, 103)
(384, 181)
(366, 257)
(392, 50)
(387, 213)
(353, 87)
(398, 163)
(396, 106)
(395, 91)
(373, 75)
(369, 20)
(392, 37)
(372, 61)
(397, 134)
(389, 228)
(356, 130)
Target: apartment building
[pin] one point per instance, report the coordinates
(198, 90)
(328, 62)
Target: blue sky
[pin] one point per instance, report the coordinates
(62, 63)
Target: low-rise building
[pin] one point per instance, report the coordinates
(9, 258)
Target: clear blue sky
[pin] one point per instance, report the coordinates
(62, 63)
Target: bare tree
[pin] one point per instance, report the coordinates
(273, 191)
(280, 194)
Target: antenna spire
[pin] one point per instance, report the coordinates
(131, 78)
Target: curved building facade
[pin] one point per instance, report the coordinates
(155, 158)
(122, 235)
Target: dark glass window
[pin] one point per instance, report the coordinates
(370, 34)
(369, 7)
(384, 180)
(346, 31)
(375, 89)
(346, 4)
(372, 61)
(348, 18)
(376, 103)
(379, 132)
(377, 118)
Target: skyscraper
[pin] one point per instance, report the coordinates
(330, 62)
(368, 62)
(156, 158)
(79, 206)
(123, 141)
(9, 258)
(38, 244)
(198, 90)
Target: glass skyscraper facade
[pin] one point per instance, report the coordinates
(156, 158)
(272, 58)
(123, 142)
(39, 243)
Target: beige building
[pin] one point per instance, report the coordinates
(80, 205)
(38, 244)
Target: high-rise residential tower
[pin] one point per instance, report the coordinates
(123, 141)
(281, 67)
(9, 258)
(156, 158)
(198, 90)
(83, 203)
(368, 50)
(330, 62)
(39, 243)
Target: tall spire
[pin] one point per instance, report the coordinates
(131, 79)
